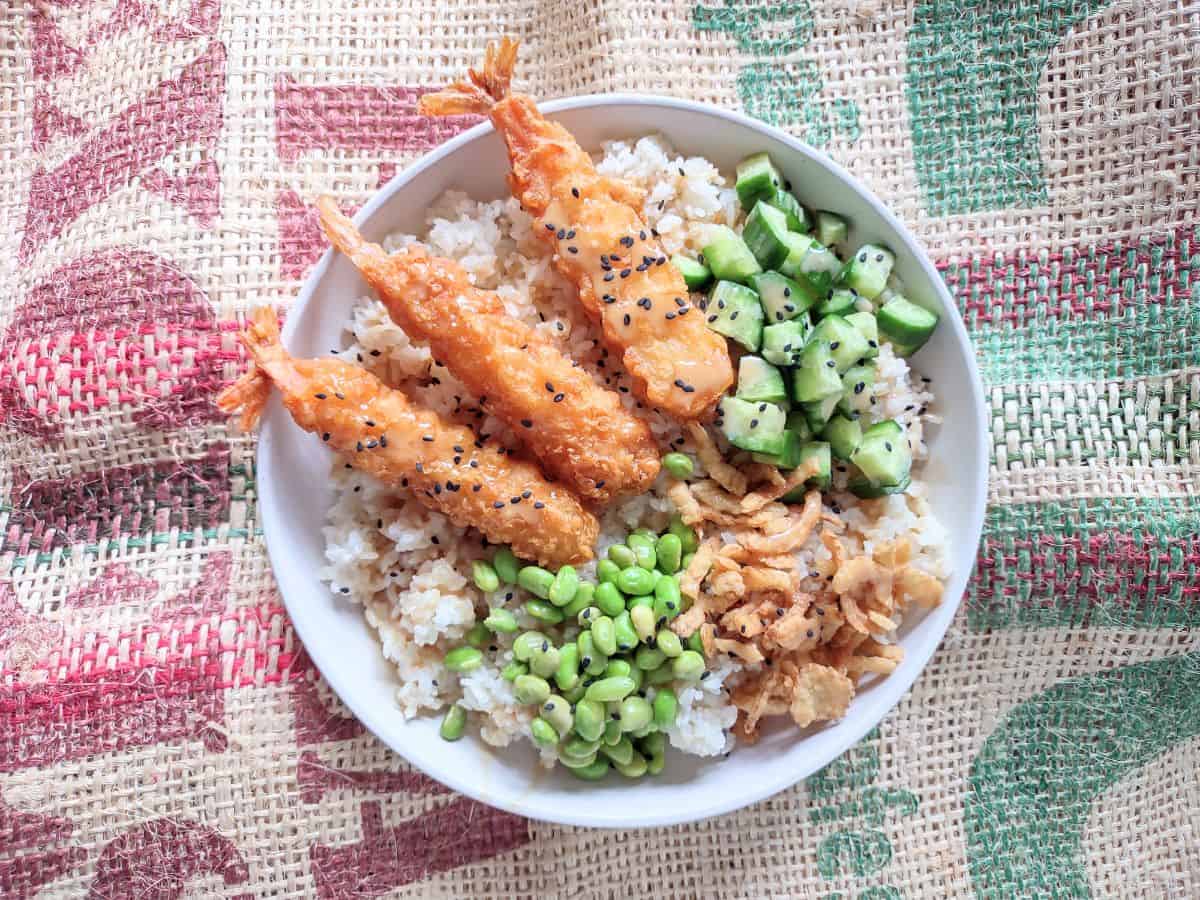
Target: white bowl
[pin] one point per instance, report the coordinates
(293, 477)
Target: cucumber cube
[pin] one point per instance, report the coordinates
(821, 480)
(798, 245)
(757, 177)
(862, 487)
(831, 228)
(728, 257)
(858, 384)
(759, 381)
(817, 377)
(757, 427)
(764, 233)
(906, 325)
(782, 298)
(820, 267)
(695, 273)
(818, 412)
(797, 218)
(788, 457)
(844, 436)
(840, 303)
(883, 456)
(846, 343)
(797, 421)
(783, 343)
(868, 270)
(868, 328)
(734, 311)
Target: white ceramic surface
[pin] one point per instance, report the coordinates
(293, 467)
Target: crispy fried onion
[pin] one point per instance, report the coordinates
(808, 691)
(727, 476)
(872, 589)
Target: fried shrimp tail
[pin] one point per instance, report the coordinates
(380, 431)
(602, 245)
(580, 431)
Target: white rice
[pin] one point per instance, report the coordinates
(410, 567)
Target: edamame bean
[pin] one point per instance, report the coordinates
(667, 599)
(463, 659)
(536, 580)
(581, 763)
(604, 636)
(661, 675)
(453, 723)
(557, 711)
(612, 732)
(644, 600)
(544, 612)
(636, 713)
(578, 748)
(588, 616)
(695, 642)
(506, 565)
(638, 677)
(591, 660)
(649, 658)
(627, 638)
(688, 666)
(620, 752)
(685, 533)
(622, 556)
(635, 768)
(594, 771)
(544, 663)
(615, 688)
(609, 599)
(643, 621)
(478, 635)
(686, 562)
(575, 694)
(485, 576)
(589, 719)
(678, 465)
(607, 571)
(563, 588)
(655, 764)
(531, 689)
(501, 621)
(512, 670)
(527, 642)
(666, 705)
(645, 532)
(670, 553)
(668, 642)
(583, 599)
(635, 581)
(567, 675)
(643, 550)
(618, 668)
(543, 732)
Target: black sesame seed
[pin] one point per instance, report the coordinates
(325, 436)
(538, 504)
(428, 438)
(549, 227)
(475, 489)
(830, 363)
(550, 387)
(574, 192)
(572, 249)
(558, 398)
(754, 423)
(608, 277)
(320, 396)
(625, 273)
(600, 483)
(570, 234)
(627, 319)
(528, 423)
(562, 233)
(499, 504)
(858, 388)
(835, 345)
(670, 315)
(340, 396)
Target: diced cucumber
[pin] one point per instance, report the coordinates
(858, 384)
(818, 412)
(884, 457)
(734, 311)
(728, 257)
(867, 271)
(906, 325)
(844, 436)
(757, 177)
(783, 343)
(846, 343)
(798, 245)
(817, 376)
(862, 487)
(797, 421)
(758, 427)
(797, 218)
(759, 381)
(840, 303)
(764, 233)
(782, 298)
(820, 267)
(868, 328)
(789, 455)
(695, 273)
(831, 228)
(821, 480)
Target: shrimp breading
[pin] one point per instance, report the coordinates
(602, 245)
(577, 429)
(385, 434)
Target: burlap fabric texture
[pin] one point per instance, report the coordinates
(161, 731)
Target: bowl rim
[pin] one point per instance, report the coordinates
(885, 695)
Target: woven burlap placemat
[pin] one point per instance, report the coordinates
(162, 733)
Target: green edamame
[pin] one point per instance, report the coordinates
(688, 666)
(575, 694)
(668, 601)
(543, 732)
(649, 658)
(635, 581)
(567, 675)
(653, 744)
(463, 659)
(622, 556)
(618, 667)
(686, 534)
(536, 580)
(666, 705)
(609, 599)
(588, 616)
(612, 732)
(695, 642)
(574, 763)
(531, 689)
(686, 562)
(485, 576)
(544, 612)
(578, 748)
(644, 531)
(478, 636)
(668, 642)
(635, 768)
(670, 553)
(591, 660)
(636, 713)
(557, 711)
(594, 771)
(615, 688)
(656, 764)
(563, 588)
(646, 600)
(453, 723)
(589, 719)
(513, 670)
(604, 636)
(583, 599)
(661, 675)
(678, 465)
(643, 621)
(544, 663)
(620, 752)
(607, 571)
(643, 550)
(627, 638)
(501, 621)
(527, 642)
(506, 565)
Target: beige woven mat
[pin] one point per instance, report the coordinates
(161, 731)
